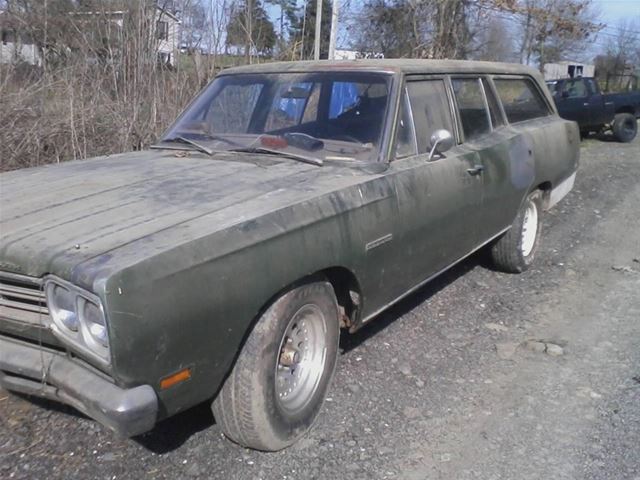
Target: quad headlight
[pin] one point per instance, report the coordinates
(78, 318)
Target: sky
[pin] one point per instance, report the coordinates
(615, 10)
(611, 13)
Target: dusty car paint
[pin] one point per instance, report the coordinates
(185, 251)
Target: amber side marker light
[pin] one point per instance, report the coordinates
(171, 380)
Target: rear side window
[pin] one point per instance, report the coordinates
(494, 110)
(520, 99)
(472, 107)
(430, 108)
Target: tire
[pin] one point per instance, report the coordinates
(515, 251)
(625, 127)
(277, 387)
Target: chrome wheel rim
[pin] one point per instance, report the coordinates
(529, 228)
(301, 359)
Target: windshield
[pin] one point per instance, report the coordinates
(326, 116)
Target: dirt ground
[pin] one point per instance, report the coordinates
(479, 375)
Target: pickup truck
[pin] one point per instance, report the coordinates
(288, 203)
(580, 100)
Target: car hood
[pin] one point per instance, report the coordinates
(58, 216)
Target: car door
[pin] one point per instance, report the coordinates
(484, 131)
(510, 159)
(573, 101)
(600, 111)
(437, 197)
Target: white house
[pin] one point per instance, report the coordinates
(555, 71)
(165, 29)
(167, 32)
(16, 46)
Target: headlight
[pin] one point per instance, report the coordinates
(93, 320)
(62, 306)
(78, 318)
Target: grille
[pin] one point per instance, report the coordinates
(22, 299)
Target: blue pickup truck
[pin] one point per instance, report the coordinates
(580, 100)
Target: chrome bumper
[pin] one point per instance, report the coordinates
(128, 412)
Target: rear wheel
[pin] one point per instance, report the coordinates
(625, 127)
(276, 389)
(515, 251)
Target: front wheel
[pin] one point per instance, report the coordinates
(515, 250)
(625, 127)
(279, 382)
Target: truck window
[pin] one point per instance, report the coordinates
(574, 89)
(520, 99)
(593, 86)
(472, 107)
(430, 109)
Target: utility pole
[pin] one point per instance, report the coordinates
(316, 42)
(334, 30)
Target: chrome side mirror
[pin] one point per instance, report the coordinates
(441, 141)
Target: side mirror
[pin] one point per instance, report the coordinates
(441, 141)
(565, 94)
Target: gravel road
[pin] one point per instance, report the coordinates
(479, 375)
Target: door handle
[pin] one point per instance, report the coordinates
(476, 170)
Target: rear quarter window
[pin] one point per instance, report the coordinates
(521, 99)
(472, 107)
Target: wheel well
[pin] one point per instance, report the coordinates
(625, 109)
(347, 289)
(545, 188)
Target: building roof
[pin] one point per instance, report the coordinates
(388, 65)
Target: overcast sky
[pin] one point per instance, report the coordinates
(615, 10)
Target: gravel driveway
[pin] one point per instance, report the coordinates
(479, 375)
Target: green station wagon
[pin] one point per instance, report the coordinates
(288, 202)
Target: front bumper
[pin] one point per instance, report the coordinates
(28, 369)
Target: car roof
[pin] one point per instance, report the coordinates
(401, 65)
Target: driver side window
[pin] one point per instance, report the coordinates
(430, 109)
(574, 89)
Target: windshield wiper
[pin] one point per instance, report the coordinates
(198, 146)
(269, 151)
(303, 141)
(219, 138)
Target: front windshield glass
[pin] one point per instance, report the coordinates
(327, 116)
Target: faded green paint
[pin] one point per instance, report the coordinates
(186, 251)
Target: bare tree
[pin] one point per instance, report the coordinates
(420, 28)
(615, 66)
(495, 42)
(551, 29)
(101, 89)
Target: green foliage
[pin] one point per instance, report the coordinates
(250, 26)
(302, 29)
